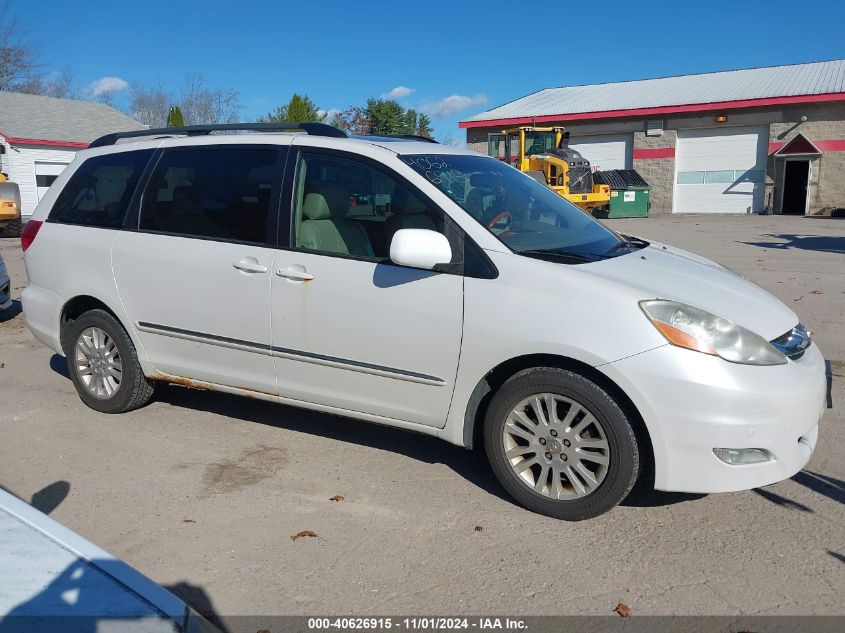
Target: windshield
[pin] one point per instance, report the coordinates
(525, 215)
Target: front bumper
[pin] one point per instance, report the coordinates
(692, 403)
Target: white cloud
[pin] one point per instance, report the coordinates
(106, 84)
(331, 112)
(399, 92)
(451, 104)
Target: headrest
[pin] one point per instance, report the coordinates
(315, 207)
(326, 200)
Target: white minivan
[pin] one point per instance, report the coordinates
(420, 286)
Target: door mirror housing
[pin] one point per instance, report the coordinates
(420, 248)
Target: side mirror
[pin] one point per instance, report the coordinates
(420, 248)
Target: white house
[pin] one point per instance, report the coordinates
(39, 136)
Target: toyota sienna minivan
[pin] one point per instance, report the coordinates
(420, 286)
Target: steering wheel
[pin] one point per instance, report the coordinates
(499, 216)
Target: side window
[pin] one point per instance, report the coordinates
(221, 193)
(99, 191)
(346, 207)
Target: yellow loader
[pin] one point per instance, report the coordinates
(537, 152)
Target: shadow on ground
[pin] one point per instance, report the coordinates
(59, 365)
(471, 465)
(818, 243)
(11, 312)
(824, 485)
(50, 497)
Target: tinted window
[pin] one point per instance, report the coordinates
(99, 192)
(220, 193)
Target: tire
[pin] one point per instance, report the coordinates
(13, 229)
(116, 383)
(598, 432)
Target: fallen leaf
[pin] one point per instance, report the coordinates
(303, 534)
(337, 498)
(478, 528)
(188, 521)
(623, 609)
(811, 292)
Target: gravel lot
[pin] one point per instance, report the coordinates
(203, 491)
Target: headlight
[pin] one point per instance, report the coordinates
(698, 330)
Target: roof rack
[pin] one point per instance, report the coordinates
(414, 137)
(313, 129)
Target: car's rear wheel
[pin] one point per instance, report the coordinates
(103, 364)
(560, 444)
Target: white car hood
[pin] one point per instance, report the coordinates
(660, 271)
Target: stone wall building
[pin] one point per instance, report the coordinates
(762, 140)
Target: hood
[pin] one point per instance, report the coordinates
(660, 271)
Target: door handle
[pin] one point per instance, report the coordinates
(295, 273)
(249, 265)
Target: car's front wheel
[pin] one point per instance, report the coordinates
(560, 444)
(103, 364)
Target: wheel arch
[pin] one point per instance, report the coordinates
(496, 377)
(76, 307)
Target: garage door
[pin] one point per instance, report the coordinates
(45, 175)
(605, 151)
(720, 170)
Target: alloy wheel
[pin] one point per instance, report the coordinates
(556, 446)
(98, 363)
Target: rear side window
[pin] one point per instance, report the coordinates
(221, 193)
(99, 191)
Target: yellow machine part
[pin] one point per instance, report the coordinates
(553, 168)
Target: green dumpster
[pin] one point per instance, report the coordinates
(629, 193)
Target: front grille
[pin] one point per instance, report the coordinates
(580, 180)
(794, 343)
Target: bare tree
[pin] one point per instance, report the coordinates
(201, 104)
(18, 56)
(58, 85)
(149, 105)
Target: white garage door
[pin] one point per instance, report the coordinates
(720, 170)
(45, 175)
(605, 151)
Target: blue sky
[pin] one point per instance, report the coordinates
(453, 59)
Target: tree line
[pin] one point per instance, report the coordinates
(378, 116)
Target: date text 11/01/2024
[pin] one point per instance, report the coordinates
(417, 624)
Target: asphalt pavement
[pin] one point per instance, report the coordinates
(203, 492)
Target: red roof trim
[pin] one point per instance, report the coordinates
(637, 112)
(833, 145)
(41, 141)
(830, 145)
(653, 152)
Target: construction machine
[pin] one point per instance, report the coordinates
(539, 152)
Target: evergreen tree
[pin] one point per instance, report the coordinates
(174, 117)
(300, 109)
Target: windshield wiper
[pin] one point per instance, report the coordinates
(557, 254)
(627, 242)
